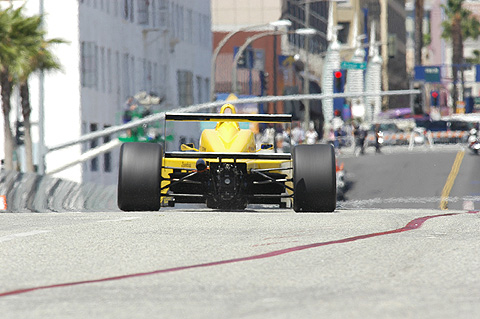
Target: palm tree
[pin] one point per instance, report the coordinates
(23, 50)
(37, 57)
(475, 59)
(9, 23)
(459, 26)
(419, 12)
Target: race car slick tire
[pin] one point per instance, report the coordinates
(139, 177)
(314, 178)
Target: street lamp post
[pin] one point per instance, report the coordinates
(278, 23)
(307, 31)
(306, 77)
(240, 52)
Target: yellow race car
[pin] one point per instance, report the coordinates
(227, 171)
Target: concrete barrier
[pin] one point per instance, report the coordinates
(26, 193)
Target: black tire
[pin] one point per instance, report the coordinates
(314, 178)
(139, 177)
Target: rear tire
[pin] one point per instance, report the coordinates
(139, 177)
(314, 178)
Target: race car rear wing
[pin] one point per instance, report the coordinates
(223, 117)
(239, 155)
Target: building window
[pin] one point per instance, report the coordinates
(144, 82)
(155, 88)
(133, 74)
(93, 144)
(102, 69)
(126, 75)
(89, 56)
(149, 76)
(117, 75)
(107, 157)
(181, 23)
(95, 68)
(143, 11)
(189, 28)
(199, 90)
(160, 84)
(163, 14)
(185, 88)
(109, 71)
(207, 90)
(153, 13)
(128, 10)
(343, 32)
(83, 64)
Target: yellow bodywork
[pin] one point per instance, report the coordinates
(227, 137)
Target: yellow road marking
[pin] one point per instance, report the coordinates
(451, 180)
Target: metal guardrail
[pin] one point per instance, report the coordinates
(111, 131)
(204, 106)
(32, 193)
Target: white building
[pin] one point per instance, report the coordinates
(116, 49)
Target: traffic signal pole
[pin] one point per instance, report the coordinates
(275, 69)
(306, 77)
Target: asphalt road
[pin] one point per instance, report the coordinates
(418, 179)
(362, 261)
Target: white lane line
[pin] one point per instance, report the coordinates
(362, 203)
(18, 235)
(118, 220)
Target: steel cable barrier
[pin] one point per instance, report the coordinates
(28, 192)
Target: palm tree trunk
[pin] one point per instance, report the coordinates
(457, 56)
(419, 12)
(6, 92)
(26, 111)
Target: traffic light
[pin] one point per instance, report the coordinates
(417, 104)
(339, 81)
(19, 133)
(434, 95)
(263, 82)
(339, 87)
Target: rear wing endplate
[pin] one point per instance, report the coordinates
(214, 117)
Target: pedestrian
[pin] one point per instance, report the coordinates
(130, 107)
(378, 138)
(284, 139)
(359, 135)
(331, 137)
(298, 134)
(311, 135)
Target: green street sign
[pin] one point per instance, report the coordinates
(348, 65)
(432, 74)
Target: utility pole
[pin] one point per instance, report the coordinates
(384, 40)
(41, 113)
(306, 77)
(275, 69)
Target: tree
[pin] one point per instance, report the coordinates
(459, 26)
(37, 58)
(419, 12)
(23, 50)
(475, 59)
(10, 21)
